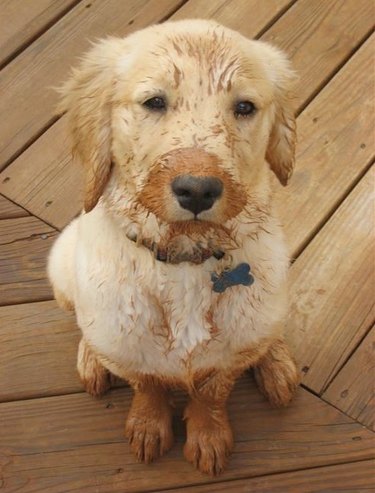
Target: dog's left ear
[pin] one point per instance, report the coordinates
(87, 97)
(282, 141)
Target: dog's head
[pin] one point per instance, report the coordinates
(184, 117)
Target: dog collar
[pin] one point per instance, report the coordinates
(161, 254)
(239, 275)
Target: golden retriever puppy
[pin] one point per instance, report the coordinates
(177, 267)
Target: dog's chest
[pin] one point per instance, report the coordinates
(151, 317)
(151, 322)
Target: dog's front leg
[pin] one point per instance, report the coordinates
(276, 374)
(209, 435)
(149, 422)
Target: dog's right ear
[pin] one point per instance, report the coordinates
(87, 97)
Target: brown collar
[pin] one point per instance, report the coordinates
(162, 254)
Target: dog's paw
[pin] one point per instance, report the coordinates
(277, 375)
(149, 436)
(209, 442)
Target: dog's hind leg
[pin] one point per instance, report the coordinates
(277, 375)
(149, 422)
(95, 378)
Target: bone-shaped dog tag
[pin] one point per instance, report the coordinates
(238, 275)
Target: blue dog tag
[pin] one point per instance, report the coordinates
(238, 275)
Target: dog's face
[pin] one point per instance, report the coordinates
(182, 116)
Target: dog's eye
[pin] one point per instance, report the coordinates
(244, 108)
(158, 103)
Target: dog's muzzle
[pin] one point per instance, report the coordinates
(197, 193)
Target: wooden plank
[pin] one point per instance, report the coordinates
(321, 36)
(353, 389)
(332, 288)
(233, 13)
(24, 245)
(326, 31)
(75, 443)
(353, 477)
(28, 79)
(54, 191)
(10, 210)
(21, 21)
(335, 145)
(39, 344)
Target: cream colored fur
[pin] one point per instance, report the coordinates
(138, 315)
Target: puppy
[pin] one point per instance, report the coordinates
(177, 267)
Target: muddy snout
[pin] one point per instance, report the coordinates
(197, 193)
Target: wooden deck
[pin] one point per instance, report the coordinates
(55, 438)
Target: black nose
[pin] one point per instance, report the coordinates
(197, 193)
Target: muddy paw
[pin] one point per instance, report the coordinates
(277, 375)
(209, 442)
(150, 434)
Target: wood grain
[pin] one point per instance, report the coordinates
(345, 478)
(75, 443)
(237, 15)
(332, 288)
(38, 358)
(331, 31)
(21, 21)
(44, 64)
(54, 191)
(321, 37)
(335, 145)
(353, 389)
(24, 245)
(10, 210)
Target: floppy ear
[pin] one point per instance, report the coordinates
(282, 141)
(87, 97)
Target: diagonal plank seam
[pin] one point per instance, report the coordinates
(31, 141)
(172, 11)
(328, 403)
(21, 207)
(341, 411)
(39, 33)
(334, 72)
(321, 397)
(324, 220)
(33, 215)
(346, 361)
(275, 19)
